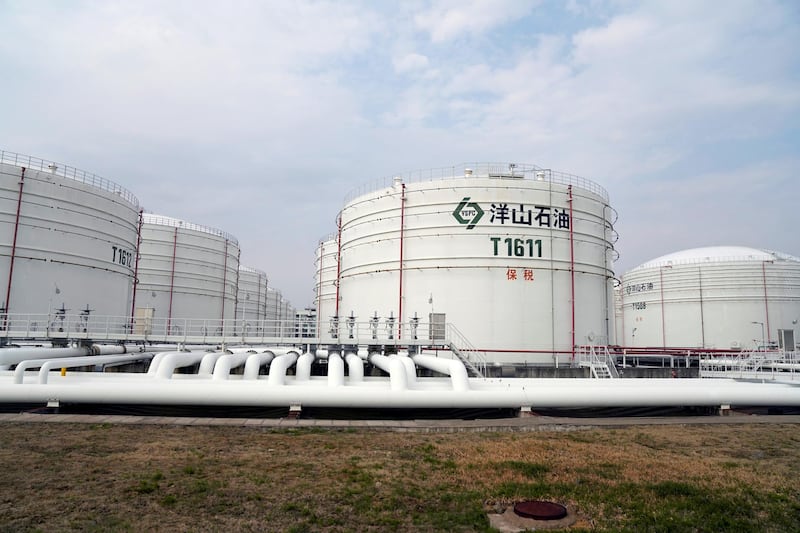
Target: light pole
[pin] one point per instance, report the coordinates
(763, 347)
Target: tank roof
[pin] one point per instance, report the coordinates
(66, 171)
(480, 170)
(716, 254)
(251, 270)
(161, 220)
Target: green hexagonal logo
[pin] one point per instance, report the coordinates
(468, 213)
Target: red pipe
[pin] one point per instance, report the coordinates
(172, 281)
(338, 263)
(136, 266)
(319, 285)
(236, 292)
(402, 226)
(663, 321)
(572, 266)
(224, 281)
(14, 247)
(766, 301)
(702, 316)
(258, 299)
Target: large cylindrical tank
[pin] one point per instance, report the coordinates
(325, 289)
(516, 257)
(717, 297)
(67, 240)
(186, 271)
(251, 302)
(280, 320)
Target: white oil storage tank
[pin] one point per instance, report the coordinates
(722, 297)
(516, 257)
(67, 240)
(325, 285)
(186, 271)
(251, 301)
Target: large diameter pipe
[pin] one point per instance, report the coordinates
(45, 365)
(493, 394)
(174, 360)
(451, 367)
(398, 377)
(355, 368)
(303, 367)
(208, 362)
(335, 370)
(411, 370)
(278, 368)
(226, 362)
(254, 363)
(13, 356)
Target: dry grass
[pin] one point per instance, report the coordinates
(62, 477)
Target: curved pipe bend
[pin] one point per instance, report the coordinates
(398, 377)
(355, 368)
(228, 361)
(335, 370)
(254, 363)
(303, 367)
(451, 367)
(278, 368)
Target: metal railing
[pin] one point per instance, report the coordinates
(480, 170)
(599, 360)
(66, 171)
(161, 220)
(63, 327)
(473, 358)
(758, 365)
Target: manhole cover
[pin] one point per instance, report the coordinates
(540, 510)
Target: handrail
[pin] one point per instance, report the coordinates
(251, 270)
(466, 347)
(161, 220)
(66, 171)
(480, 170)
(82, 327)
(753, 365)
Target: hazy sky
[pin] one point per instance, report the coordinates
(257, 118)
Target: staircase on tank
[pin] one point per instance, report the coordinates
(471, 368)
(601, 364)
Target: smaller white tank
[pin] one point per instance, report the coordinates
(251, 301)
(719, 297)
(186, 271)
(325, 286)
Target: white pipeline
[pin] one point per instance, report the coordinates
(45, 365)
(451, 367)
(355, 368)
(278, 368)
(499, 393)
(335, 370)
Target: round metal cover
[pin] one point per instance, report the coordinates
(540, 510)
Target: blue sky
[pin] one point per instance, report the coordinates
(259, 117)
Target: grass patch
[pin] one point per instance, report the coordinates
(666, 478)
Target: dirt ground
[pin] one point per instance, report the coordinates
(83, 477)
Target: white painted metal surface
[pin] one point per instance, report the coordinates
(282, 390)
(75, 239)
(716, 297)
(186, 270)
(325, 281)
(280, 315)
(251, 300)
(489, 246)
